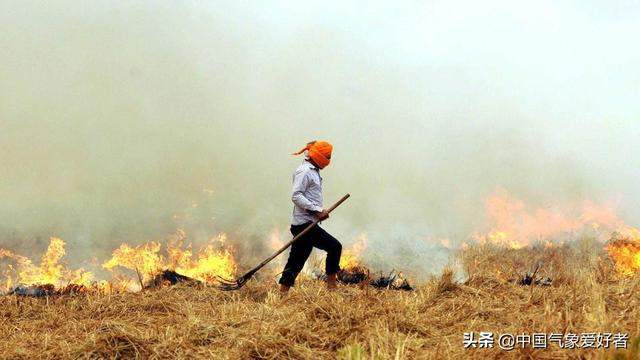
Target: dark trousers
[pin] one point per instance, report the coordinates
(301, 249)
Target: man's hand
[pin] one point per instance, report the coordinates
(322, 215)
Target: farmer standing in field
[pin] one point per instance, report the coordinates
(307, 207)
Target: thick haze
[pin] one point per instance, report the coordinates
(117, 119)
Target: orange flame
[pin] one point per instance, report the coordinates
(211, 262)
(144, 258)
(624, 249)
(50, 270)
(275, 239)
(215, 259)
(276, 242)
(351, 257)
(515, 225)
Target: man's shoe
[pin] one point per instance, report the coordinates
(332, 281)
(284, 289)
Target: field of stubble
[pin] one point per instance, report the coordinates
(351, 323)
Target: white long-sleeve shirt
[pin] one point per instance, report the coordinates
(306, 194)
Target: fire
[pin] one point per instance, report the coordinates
(215, 259)
(49, 271)
(624, 249)
(276, 242)
(144, 259)
(210, 263)
(516, 225)
(351, 257)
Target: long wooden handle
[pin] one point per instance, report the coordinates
(306, 230)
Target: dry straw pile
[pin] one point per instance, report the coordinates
(351, 323)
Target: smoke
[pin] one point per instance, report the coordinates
(122, 121)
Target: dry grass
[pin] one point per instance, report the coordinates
(351, 323)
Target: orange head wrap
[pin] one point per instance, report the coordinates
(319, 152)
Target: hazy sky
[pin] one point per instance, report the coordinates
(117, 118)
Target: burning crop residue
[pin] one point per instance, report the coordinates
(624, 249)
(351, 257)
(194, 320)
(394, 280)
(36, 290)
(354, 271)
(152, 265)
(47, 290)
(152, 268)
(550, 231)
(213, 260)
(354, 274)
(50, 271)
(514, 224)
(170, 277)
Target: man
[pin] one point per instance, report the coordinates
(307, 207)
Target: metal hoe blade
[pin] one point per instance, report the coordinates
(229, 285)
(235, 284)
